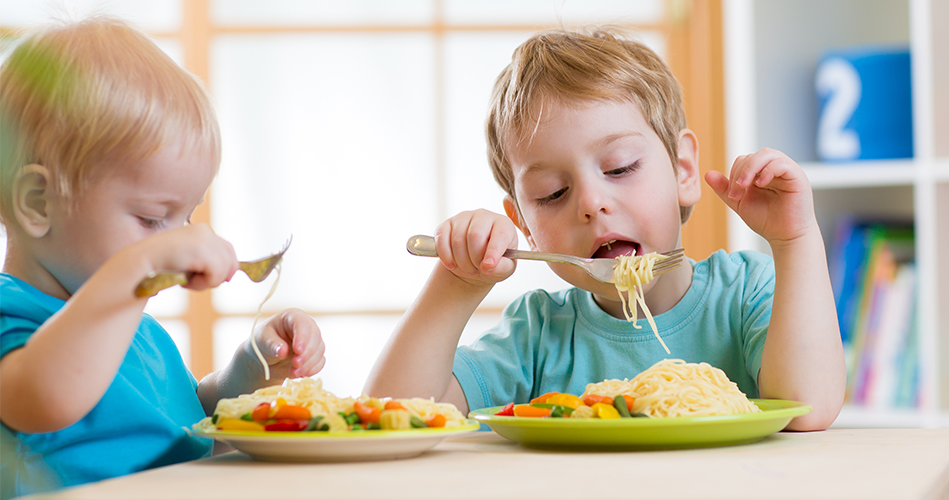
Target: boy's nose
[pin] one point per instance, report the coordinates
(592, 202)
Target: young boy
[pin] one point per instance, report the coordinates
(108, 148)
(587, 136)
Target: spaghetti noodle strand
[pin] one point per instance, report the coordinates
(630, 273)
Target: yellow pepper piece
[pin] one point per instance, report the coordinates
(276, 404)
(236, 424)
(568, 400)
(395, 420)
(603, 410)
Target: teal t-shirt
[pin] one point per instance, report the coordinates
(562, 341)
(137, 425)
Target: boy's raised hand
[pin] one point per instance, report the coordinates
(770, 192)
(196, 249)
(471, 245)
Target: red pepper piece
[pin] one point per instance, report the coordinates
(287, 426)
(507, 411)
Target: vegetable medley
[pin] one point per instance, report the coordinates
(367, 414)
(302, 405)
(560, 405)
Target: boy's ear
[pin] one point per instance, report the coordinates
(690, 185)
(513, 213)
(31, 188)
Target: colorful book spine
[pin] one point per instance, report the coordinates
(874, 280)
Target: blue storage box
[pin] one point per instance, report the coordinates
(866, 107)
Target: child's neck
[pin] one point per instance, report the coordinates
(21, 263)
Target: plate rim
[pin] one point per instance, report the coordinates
(789, 408)
(441, 432)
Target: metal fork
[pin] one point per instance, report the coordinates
(256, 270)
(601, 269)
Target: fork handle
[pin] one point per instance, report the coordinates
(424, 246)
(158, 281)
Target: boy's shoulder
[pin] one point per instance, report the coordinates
(745, 266)
(20, 299)
(742, 259)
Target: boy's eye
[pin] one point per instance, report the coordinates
(625, 170)
(552, 197)
(150, 223)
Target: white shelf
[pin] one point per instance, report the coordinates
(941, 170)
(771, 102)
(871, 173)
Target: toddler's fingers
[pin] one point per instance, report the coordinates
(304, 362)
(310, 369)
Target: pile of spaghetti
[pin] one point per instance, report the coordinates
(301, 405)
(674, 388)
(630, 273)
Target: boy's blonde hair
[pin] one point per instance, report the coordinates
(597, 64)
(84, 98)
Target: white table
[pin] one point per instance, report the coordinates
(834, 464)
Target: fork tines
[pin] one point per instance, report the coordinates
(671, 261)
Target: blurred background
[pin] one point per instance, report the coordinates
(353, 125)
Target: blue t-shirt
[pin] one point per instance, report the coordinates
(562, 341)
(137, 424)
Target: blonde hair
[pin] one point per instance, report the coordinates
(84, 98)
(603, 64)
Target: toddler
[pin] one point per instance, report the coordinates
(587, 136)
(108, 147)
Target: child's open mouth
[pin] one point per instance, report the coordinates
(616, 248)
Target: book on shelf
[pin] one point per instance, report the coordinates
(874, 279)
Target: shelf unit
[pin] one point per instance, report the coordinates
(771, 51)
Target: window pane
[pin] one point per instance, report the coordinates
(181, 334)
(146, 14)
(352, 345)
(329, 138)
(553, 12)
(169, 302)
(321, 13)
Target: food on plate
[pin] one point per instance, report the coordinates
(302, 405)
(669, 388)
(630, 273)
(674, 388)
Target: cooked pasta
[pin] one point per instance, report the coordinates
(674, 388)
(630, 273)
(309, 393)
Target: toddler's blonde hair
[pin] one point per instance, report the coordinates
(85, 98)
(594, 64)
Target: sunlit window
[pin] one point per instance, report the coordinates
(349, 126)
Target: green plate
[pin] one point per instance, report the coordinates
(645, 433)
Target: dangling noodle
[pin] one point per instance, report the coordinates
(253, 341)
(630, 273)
(674, 388)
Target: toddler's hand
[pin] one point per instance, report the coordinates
(770, 192)
(291, 344)
(209, 259)
(471, 245)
